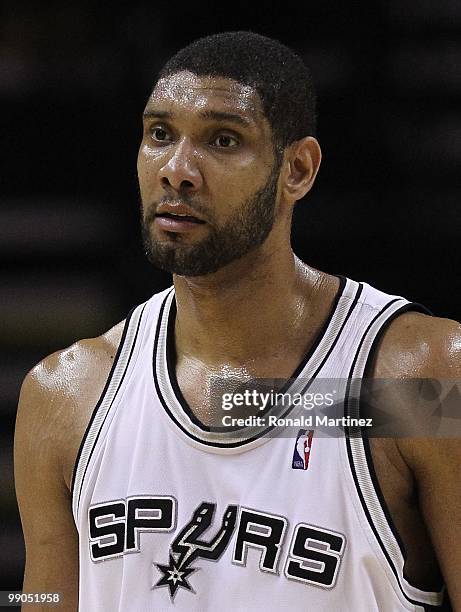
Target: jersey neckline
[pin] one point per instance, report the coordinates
(234, 439)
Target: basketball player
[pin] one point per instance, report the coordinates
(131, 498)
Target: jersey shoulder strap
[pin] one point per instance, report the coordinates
(386, 308)
(140, 320)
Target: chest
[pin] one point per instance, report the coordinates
(204, 388)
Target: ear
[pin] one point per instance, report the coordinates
(302, 161)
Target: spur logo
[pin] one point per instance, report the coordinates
(313, 557)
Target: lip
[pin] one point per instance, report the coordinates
(177, 209)
(168, 224)
(176, 223)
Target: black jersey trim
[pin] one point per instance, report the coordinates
(106, 386)
(390, 522)
(171, 358)
(411, 306)
(445, 606)
(240, 443)
(323, 330)
(99, 403)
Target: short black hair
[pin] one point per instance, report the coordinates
(280, 77)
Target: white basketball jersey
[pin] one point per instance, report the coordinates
(175, 515)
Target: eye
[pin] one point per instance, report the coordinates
(224, 141)
(159, 134)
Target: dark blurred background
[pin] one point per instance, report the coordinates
(74, 79)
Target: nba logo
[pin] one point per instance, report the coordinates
(302, 449)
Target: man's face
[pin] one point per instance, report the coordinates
(207, 174)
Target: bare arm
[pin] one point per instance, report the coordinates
(57, 399)
(43, 497)
(417, 346)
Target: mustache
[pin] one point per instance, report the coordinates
(194, 205)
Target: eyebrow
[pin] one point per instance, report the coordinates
(153, 114)
(205, 114)
(224, 116)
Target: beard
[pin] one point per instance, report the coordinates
(246, 229)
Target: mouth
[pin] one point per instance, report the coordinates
(179, 217)
(177, 222)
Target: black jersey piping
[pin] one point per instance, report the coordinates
(240, 443)
(414, 306)
(445, 606)
(405, 308)
(390, 522)
(101, 398)
(171, 357)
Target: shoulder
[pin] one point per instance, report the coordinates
(66, 374)
(417, 348)
(58, 397)
(416, 345)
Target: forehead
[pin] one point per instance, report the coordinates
(198, 93)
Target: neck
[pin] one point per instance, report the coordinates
(229, 316)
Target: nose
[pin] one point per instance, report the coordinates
(180, 171)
